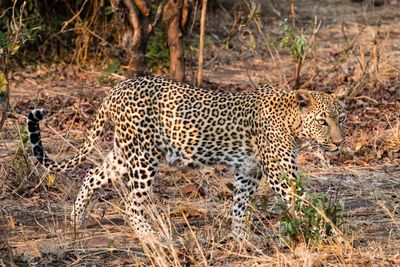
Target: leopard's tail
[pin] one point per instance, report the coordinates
(92, 135)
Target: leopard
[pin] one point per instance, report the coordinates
(156, 119)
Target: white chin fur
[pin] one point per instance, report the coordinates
(332, 153)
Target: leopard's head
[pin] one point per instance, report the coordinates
(322, 117)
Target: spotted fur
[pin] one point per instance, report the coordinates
(155, 118)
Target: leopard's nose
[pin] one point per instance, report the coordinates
(338, 141)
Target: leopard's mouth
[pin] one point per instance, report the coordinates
(332, 152)
(331, 148)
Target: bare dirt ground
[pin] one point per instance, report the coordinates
(192, 207)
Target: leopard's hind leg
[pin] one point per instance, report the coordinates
(110, 171)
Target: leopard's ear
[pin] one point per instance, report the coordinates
(340, 92)
(304, 98)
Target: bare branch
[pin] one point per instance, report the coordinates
(133, 14)
(274, 10)
(158, 15)
(74, 17)
(143, 7)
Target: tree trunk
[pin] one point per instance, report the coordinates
(134, 17)
(176, 53)
(176, 15)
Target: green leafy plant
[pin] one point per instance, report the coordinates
(298, 45)
(17, 27)
(157, 54)
(113, 67)
(311, 217)
(14, 33)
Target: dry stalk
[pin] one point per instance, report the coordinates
(273, 9)
(201, 44)
(68, 132)
(197, 241)
(293, 13)
(76, 15)
(299, 64)
(392, 216)
(365, 97)
(351, 44)
(375, 54)
(231, 33)
(377, 51)
(24, 156)
(251, 80)
(82, 29)
(77, 149)
(372, 62)
(346, 50)
(282, 75)
(313, 39)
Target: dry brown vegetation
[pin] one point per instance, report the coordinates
(191, 208)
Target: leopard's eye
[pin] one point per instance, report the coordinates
(342, 119)
(322, 122)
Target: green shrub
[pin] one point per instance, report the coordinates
(311, 218)
(157, 54)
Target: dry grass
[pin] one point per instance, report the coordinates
(37, 230)
(191, 210)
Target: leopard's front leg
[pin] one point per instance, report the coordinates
(279, 164)
(282, 175)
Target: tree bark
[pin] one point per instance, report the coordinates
(6, 92)
(176, 15)
(134, 17)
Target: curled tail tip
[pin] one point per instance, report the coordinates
(36, 115)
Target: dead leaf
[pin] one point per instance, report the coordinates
(188, 210)
(51, 179)
(358, 146)
(191, 190)
(11, 223)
